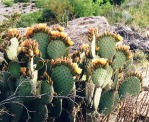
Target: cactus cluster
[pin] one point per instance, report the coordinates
(38, 73)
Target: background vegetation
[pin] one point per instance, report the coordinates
(126, 12)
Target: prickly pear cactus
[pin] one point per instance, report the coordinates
(122, 55)
(25, 86)
(98, 71)
(59, 45)
(108, 101)
(107, 43)
(14, 69)
(62, 76)
(131, 85)
(40, 33)
(40, 72)
(46, 88)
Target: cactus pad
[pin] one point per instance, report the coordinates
(11, 51)
(132, 86)
(46, 88)
(25, 86)
(57, 49)
(55, 108)
(99, 76)
(14, 69)
(119, 60)
(108, 77)
(108, 101)
(4, 76)
(107, 47)
(41, 114)
(43, 39)
(62, 80)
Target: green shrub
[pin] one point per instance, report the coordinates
(8, 3)
(41, 3)
(58, 8)
(83, 8)
(29, 19)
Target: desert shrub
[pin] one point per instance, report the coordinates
(58, 8)
(41, 3)
(29, 19)
(8, 3)
(104, 9)
(47, 15)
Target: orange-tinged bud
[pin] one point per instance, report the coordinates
(29, 31)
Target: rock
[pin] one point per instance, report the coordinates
(134, 39)
(77, 28)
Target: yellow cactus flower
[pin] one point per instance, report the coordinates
(59, 28)
(13, 30)
(97, 48)
(42, 25)
(118, 37)
(36, 51)
(126, 47)
(76, 68)
(130, 55)
(63, 35)
(69, 42)
(102, 61)
(55, 34)
(85, 46)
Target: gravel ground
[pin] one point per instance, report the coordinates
(19, 7)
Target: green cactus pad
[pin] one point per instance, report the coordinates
(16, 109)
(11, 51)
(132, 86)
(107, 47)
(14, 69)
(99, 76)
(4, 76)
(119, 60)
(108, 101)
(25, 86)
(41, 114)
(46, 88)
(57, 49)
(43, 39)
(108, 77)
(62, 80)
(55, 108)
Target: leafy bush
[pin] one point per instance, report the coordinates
(29, 19)
(41, 3)
(8, 3)
(58, 8)
(83, 8)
